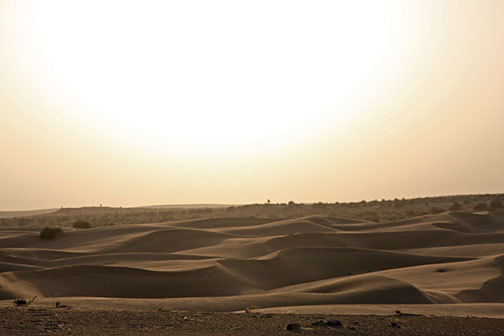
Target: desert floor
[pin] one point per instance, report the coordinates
(68, 321)
(450, 264)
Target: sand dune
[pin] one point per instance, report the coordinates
(233, 263)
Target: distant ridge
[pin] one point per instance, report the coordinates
(374, 211)
(186, 206)
(25, 213)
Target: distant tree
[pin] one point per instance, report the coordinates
(496, 203)
(319, 205)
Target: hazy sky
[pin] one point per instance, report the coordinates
(155, 102)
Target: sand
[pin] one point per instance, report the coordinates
(306, 265)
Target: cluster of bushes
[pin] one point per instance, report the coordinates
(495, 204)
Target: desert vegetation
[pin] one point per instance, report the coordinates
(81, 224)
(375, 210)
(496, 203)
(50, 232)
(23, 302)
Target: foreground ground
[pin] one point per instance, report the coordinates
(63, 321)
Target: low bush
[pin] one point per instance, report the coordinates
(456, 206)
(50, 233)
(480, 207)
(411, 213)
(436, 210)
(496, 203)
(23, 302)
(81, 224)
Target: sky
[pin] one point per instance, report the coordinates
(129, 103)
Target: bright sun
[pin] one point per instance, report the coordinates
(218, 75)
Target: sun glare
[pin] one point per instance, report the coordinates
(218, 76)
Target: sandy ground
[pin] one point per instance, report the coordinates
(450, 264)
(47, 321)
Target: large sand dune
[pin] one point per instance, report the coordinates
(231, 264)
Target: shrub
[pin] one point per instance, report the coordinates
(23, 302)
(411, 213)
(49, 233)
(81, 224)
(397, 204)
(20, 302)
(436, 210)
(496, 203)
(480, 207)
(456, 206)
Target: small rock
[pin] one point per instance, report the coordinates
(329, 323)
(393, 324)
(334, 323)
(293, 327)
